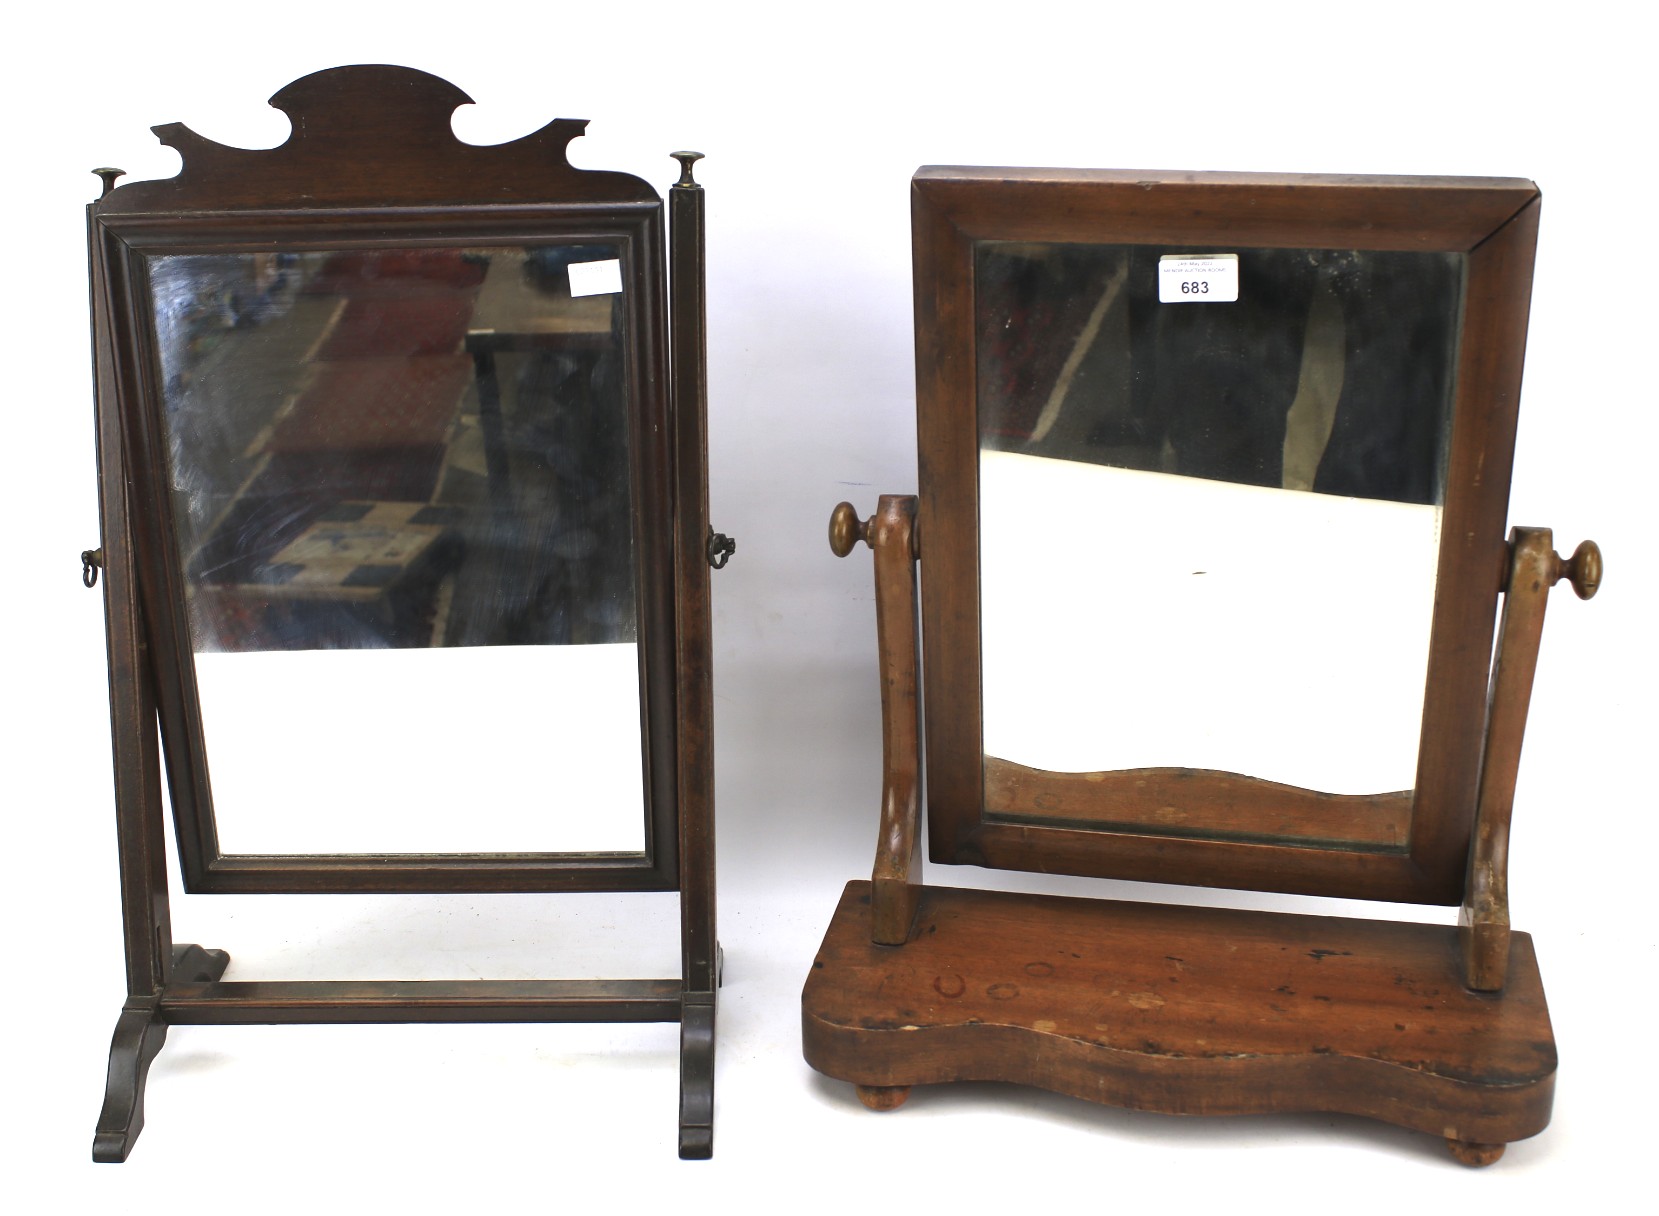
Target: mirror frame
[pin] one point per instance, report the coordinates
(427, 190)
(1404, 847)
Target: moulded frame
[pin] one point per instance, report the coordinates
(1420, 854)
(636, 229)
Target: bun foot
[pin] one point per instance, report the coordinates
(891, 1097)
(1470, 1153)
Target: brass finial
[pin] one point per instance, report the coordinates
(686, 159)
(108, 177)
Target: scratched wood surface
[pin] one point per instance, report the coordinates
(1199, 802)
(1184, 1011)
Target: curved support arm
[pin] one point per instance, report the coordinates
(896, 880)
(1534, 568)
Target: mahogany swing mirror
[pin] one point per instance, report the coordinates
(1214, 476)
(405, 550)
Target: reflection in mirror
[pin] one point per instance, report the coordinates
(1202, 523)
(402, 499)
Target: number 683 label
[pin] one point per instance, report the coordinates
(1187, 279)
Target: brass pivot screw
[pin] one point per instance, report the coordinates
(687, 159)
(108, 177)
(846, 529)
(1582, 569)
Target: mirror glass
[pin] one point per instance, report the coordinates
(402, 497)
(1210, 488)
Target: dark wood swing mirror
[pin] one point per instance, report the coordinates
(1211, 540)
(406, 549)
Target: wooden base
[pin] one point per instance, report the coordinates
(139, 1033)
(196, 994)
(1188, 1011)
(697, 1080)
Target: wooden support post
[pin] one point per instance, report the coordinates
(700, 948)
(896, 880)
(140, 830)
(1534, 568)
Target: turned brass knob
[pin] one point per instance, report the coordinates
(686, 159)
(846, 529)
(1582, 569)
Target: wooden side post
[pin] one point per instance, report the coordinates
(1534, 568)
(897, 877)
(700, 948)
(140, 831)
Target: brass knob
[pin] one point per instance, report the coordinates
(1582, 569)
(686, 159)
(846, 529)
(108, 176)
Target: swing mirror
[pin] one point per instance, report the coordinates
(1211, 535)
(400, 477)
(405, 553)
(1225, 467)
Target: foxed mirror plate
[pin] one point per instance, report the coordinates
(1210, 509)
(403, 502)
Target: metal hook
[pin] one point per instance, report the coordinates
(720, 549)
(92, 561)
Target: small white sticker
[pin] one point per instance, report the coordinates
(595, 278)
(1189, 279)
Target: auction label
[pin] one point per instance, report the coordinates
(1189, 279)
(595, 278)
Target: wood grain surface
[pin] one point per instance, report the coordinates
(1184, 1010)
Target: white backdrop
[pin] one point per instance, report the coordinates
(813, 118)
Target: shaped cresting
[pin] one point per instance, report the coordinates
(1215, 475)
(403, 454)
